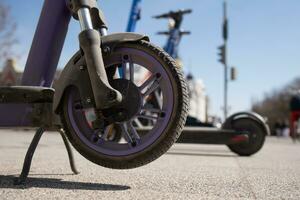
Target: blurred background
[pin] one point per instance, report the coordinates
(262, 47)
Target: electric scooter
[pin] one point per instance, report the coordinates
(235, 131)
(134, 16)
(90, 82)
(244, 132)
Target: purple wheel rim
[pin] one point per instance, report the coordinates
(84, 132)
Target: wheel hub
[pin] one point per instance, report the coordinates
(131, 103)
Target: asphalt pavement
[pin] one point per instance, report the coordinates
(185, 172)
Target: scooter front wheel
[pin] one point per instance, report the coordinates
(147, 72)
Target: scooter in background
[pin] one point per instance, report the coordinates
(134, 16)
(244, 132)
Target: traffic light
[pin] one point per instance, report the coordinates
(233, 73)
(222, 54)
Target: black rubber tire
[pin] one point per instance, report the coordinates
(167, 138)
(256, 139)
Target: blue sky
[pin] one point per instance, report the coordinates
(264, 41)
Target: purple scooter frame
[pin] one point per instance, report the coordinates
(89, 83)
(47, 44)
(42, 60)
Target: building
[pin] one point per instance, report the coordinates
(10, 75)
(198, 99)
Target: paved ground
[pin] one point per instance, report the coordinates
(186, 172)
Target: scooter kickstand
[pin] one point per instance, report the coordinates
(31, 150)
(70, 153)
(28, 158)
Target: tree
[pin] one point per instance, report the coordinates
(7, 33)
(275, 105)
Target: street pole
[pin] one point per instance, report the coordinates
(225, 37)
(225, 90)
(223, 53)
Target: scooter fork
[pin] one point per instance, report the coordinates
(90, 42)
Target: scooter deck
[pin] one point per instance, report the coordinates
(26, 94)
(201, 135)
(26, 106)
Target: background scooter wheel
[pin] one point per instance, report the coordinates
(257, 137)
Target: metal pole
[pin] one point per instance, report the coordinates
(225, 37)
(225, 86)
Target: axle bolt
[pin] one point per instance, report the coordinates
(82, 67)
(106, 49)
(112, 95)
(88, 100)
(162, 115)
(126, 57)
(120, 116)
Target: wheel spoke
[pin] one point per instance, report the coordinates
(129, 134)
(158, 99)
(125, 133)
(149, 117)
(147, 82)
(138, 123)
(154, 86)
(131, 70)
(106, 132)
(132, 131)
(152, 110)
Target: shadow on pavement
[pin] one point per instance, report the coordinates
(200, 154)
(7, 182)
